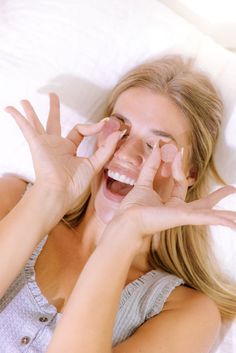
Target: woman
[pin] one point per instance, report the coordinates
(126, 259)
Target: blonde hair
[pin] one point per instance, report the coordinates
(184, 251)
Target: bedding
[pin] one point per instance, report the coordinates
(79, 49)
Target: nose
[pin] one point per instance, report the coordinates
(131, 150)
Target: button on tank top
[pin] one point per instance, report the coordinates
(27, 320)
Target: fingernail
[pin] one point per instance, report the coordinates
(123, 133)
(52, 94)
(105, 119)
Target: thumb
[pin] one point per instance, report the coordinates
(180, 182)
(106, 150)
(150, 167)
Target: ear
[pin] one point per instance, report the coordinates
(192, 176)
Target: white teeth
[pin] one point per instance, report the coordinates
(121, 177)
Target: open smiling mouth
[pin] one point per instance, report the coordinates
(116, 186)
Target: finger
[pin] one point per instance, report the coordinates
(150, 167)
(212, 199)
(79, 131)
(168, 153)
(111, 124)
(215, 220)
(166, 170)
(105, 151)
(24, 125)
(228, 223)
(32, 116)
(231, 215)
(158, 219)
(180, 182)
(53, 123)
(210, 217)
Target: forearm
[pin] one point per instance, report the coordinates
(89, 316)
(23, 227)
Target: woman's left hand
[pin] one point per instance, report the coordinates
(146, 214)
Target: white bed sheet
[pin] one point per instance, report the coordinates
(79, 49)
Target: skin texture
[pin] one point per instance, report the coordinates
(61, 180)
(131, 105)
(134, 149)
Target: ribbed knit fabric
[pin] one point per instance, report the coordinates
(27, 320)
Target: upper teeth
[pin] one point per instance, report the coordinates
(121, 177)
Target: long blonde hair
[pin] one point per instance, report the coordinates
(184, 251)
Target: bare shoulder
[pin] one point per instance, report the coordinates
(186, 297)
(11, 191)
(194, 302)
(188, 323)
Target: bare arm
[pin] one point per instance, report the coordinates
(62, 179)
(190, 325)
(88, 320)
(87, 323)
(23, 227)
(60, 168)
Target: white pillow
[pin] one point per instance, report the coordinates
(79, 49)
(215, 18)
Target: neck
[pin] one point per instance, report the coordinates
(90, 231)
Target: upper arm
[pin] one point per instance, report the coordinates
(11, 191)
(191, 326)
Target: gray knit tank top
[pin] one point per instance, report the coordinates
(27, 320)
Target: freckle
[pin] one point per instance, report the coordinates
(168, 153)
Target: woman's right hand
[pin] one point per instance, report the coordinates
(56, 165)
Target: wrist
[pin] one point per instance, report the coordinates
(121, 231)
(48, 204)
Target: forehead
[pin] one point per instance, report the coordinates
(148, 110)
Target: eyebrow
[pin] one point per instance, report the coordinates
(154, 131)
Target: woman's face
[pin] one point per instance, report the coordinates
(149, 118)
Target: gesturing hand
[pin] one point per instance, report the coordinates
(146, 214)
(54, 157)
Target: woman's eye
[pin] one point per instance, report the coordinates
(160, 142)
(149, 146)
